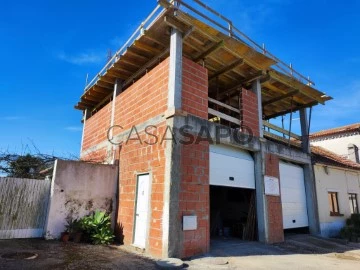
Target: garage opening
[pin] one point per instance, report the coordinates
(232, 213)
(232, 194)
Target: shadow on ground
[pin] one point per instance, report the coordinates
(299, 251)
(294, 244)
(57, 255)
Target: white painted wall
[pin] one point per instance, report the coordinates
(338, 145)
(337, 180)
(77, 189)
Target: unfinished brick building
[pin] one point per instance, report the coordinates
(196, 78)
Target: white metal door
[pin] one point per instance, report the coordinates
(231, 167)
(293, 196)
(142, 208)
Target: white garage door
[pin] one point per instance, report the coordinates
(293, 197)
(231, 167)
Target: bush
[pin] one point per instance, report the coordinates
(352, 229)
(97, 227)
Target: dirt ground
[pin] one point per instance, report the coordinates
(57, 255)
(297, 252)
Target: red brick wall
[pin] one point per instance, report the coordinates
(136, 158)
(145, 99)
(96, 128)
(194, 185)
(195, 89)
(275, 221)
(249, 111)
(194, 197)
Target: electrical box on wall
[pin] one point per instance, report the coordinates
(189, 223)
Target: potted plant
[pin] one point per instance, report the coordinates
(77, 231)
(65, 235)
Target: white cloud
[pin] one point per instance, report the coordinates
(73, 128)
(82, 58)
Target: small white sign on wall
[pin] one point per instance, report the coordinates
(189, 223)
(272, 186)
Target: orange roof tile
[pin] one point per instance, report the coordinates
(324, 156)
(338, 130)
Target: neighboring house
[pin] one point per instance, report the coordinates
(180, 70)
(344, 141)
(337, 189)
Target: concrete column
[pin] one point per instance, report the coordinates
(175, 74)
(311, 199)
(172, 228)
(261, 203)
(86, 115)
(113, 105)
(304, 131)
(111, 147)
(256, 88)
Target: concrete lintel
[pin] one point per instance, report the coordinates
(287, 153)
(175, 70)
(122, 136)
(198, 126)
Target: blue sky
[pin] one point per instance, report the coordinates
(48, 47)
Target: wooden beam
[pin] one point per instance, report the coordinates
(276, 99)
(279, 138)
(110, 80)
(224, 116)
(209, 51)
(166, 4)
(293, 83)
(115, 74)
(227, 68)
(314, 103)
(136, 55)
(104, 84)
(120, 69)
(224, 105)
(281, 130)
(256, 76)
(174, 23)
(143, 46)
(130, 61)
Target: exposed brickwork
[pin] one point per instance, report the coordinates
(194, 197)
(143, 100)
(95, 132)
(136, 158)
(249, 111)
(275, 220)
(146, 98)
(195, 89)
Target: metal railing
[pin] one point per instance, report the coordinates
(225, 25)
(138, 32)
(228, 28)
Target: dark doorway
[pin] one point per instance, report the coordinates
(232, 213)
